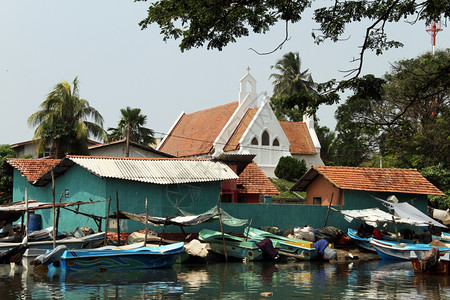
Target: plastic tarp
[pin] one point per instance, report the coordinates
(227, 219)
(406, 210)
(372, 216)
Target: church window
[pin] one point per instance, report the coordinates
(276, 142)
(265, 139)
(254, 141)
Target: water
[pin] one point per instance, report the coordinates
(298, 280)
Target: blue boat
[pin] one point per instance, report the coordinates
(363, 242)
(401, 251)
(131, 257)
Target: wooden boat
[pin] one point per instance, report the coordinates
(363, 242)
(401, 251)
(297, 248)
(442, 267)
(130, 257)
(35, 248)
(235, 246)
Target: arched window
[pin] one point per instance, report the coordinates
(254, 141)
(265, 139)
(276, 142)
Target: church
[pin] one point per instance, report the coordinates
(246, 126)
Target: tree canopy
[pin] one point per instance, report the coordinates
(63, 122)
(218, 23)
(404, 116)
(131, 124)
(6, 180)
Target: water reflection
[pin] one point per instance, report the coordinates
(310, 280)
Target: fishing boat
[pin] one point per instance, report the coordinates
(394, 250)
(35, 248)
(233, 246)
(363, 242)
(438, 266)
(297, 248)
(130, 257)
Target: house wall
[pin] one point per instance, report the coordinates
(322, 188)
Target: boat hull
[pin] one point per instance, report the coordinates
(102, 260)
(360, 241)
(401, 251)
(300, 249)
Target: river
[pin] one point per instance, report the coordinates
(233, 280)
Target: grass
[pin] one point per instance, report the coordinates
(283, 186)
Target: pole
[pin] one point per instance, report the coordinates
(396, 231)
(57, 212)
(117, 216)
(328, 211)
(27, 223)
(107, 222)
(146, 221)
(223, 235)
(53, 208)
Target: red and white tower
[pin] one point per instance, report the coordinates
(433, 30)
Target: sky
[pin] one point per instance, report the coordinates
(46, 42)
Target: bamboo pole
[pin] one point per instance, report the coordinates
(248, 229)
(53, 208)
(27, 223)
(223, 235)
(107, 222)
(146, 221)
(117, 216)
(58, 211)
(328, 211)
(396, 230)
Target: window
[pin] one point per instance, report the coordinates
(276, 142)
(254, 141)
(317, 200)
(265, 139)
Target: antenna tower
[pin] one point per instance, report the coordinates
(433, 30)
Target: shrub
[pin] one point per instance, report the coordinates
(290, 168)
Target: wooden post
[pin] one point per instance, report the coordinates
(107, 222)
(164, 229)
(53, 208)
(328, 211)
(57, 212)
(248, 229)
(146, 221)
(27, 223)
(223, 235)
(396, 230)
(117, 216)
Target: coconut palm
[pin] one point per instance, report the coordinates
(63, 122)
(132, 124)
(290, 78)
(293, 90)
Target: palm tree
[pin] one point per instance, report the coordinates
(293, 90)
(63, 122)
(131, 127)
(290, 78)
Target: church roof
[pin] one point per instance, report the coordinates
(299, 137)
(195, 133)
(233, 142)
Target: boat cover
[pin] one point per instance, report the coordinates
(405, 214)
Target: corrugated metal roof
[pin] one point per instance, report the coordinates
(157, 171)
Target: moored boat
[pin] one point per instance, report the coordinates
(233, 246)
(131, 257)
(439, 267)
(363, 242)
(297, 248)
(401, 251)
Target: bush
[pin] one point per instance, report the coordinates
(290, 168)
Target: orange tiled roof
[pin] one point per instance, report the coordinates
(254, 181)
(195, 133)
(299, 137)
(33, 169)
(408, 181)
(233, 142)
